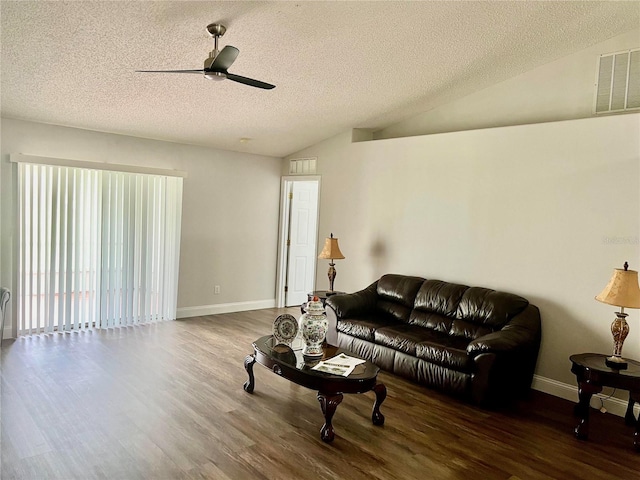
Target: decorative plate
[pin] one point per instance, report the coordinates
(285, 329)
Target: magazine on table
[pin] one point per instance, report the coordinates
(341, 365)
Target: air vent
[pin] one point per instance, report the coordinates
(618, 82)
(303, 166)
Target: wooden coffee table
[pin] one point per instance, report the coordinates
(293, 366)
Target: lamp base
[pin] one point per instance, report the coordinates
(617, 363)
(332, 275)
(619, 329)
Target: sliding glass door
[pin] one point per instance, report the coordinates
(96, 248)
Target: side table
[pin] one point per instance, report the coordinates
(592, 374)
(322, 295)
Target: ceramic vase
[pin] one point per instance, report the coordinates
(314, 326)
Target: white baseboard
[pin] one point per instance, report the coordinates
(613, 405)
(186, 312)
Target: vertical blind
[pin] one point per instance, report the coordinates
(96, 248)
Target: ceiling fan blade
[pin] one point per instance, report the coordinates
(250, 81)
(225, 58)
(171, 71)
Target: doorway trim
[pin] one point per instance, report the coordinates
(283, 228)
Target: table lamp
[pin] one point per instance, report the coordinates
(622, 291)
(331, 251)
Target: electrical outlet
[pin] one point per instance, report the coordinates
(216, 289)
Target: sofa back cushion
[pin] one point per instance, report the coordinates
(440, 297)
(397, 294)
(489, 307)
(436, 305)
(463, 311)
(482, 311)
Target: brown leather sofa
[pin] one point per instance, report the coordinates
(472, 342)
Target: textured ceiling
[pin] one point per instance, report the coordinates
(336, 65)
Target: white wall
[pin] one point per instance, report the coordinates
(560, 90)
(230, 208)
(546, 211)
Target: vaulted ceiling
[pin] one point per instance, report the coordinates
(336, 65)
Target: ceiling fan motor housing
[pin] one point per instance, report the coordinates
(215, 75)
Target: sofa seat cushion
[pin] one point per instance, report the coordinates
(363, 328)
(404, 337)
(445, 350)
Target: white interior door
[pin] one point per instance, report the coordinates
(303, 227)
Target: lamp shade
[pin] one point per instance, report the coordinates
(331, 250)
(622, 290)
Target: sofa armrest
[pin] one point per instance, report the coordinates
(348, 305)
(505, 360)
(354, 304)
(522, 332)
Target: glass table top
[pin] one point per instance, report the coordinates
(285, 355)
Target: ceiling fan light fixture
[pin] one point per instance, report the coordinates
(217, 76)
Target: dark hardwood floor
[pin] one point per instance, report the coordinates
(166, 402)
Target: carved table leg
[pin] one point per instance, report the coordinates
(585, 391)
(328, 403)
(634, 397)
(248, 365)
(381, 393)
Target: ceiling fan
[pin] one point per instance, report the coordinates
(218, 62)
